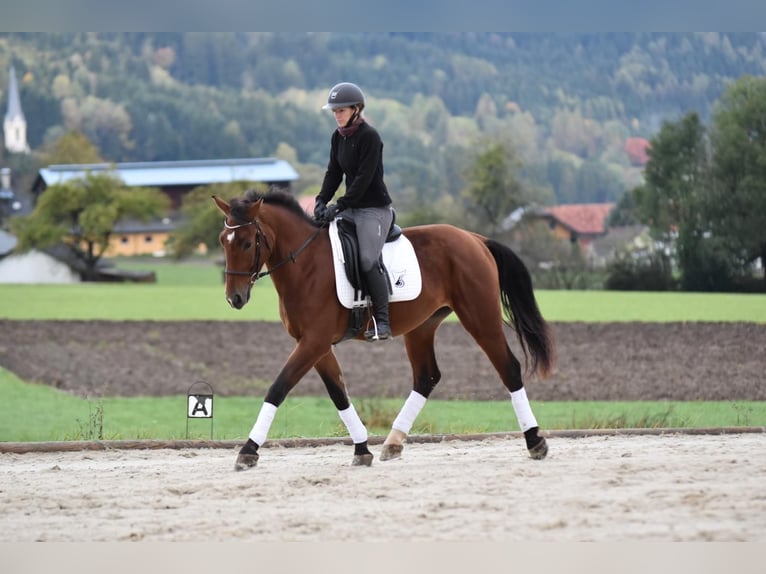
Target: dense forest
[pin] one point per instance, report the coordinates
(572, 110)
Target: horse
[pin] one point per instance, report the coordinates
(477, 278)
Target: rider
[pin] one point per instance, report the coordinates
(356, 152)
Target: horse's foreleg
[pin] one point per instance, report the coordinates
(425, 371)
(248, 455)
(297, 365)
(330, 372)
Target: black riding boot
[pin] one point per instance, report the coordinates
(377, 287)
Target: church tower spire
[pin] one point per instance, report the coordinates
(15, 124)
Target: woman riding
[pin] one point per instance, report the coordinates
(356, 152)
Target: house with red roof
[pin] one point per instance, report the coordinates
(582, 223)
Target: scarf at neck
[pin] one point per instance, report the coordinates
(351, 128)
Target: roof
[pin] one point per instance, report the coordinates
(14, 103)
(164, 225)
(582, 218)
(168, 173)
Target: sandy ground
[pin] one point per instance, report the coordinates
(607, 488)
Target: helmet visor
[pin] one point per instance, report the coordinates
(336, 105)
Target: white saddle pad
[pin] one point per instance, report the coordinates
(400, 261)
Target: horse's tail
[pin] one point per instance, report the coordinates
(519, 303)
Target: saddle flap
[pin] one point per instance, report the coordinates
(399, 261)
(350, 246)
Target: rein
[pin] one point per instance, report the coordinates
(255, 275)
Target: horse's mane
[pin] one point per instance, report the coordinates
(241, 205)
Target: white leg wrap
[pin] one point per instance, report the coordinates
(523, 411)
(410, 411)
(263, 423)
(356, 429)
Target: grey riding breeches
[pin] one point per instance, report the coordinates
(372, 225)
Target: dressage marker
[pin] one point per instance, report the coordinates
(199, 406)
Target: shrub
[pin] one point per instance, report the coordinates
(645, 272)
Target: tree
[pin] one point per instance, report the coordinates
(104, 121)
(640, 270)
(597, 183)
(493, 190)
(573, 133)
(674, 174)
(554, 263)
(624, 213)
(674, 202)
(81, 214)
(738, 142)
(72, 147)
(200, 218)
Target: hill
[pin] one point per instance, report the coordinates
(566, 103)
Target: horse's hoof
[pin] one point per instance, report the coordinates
(391, 451)
(245, 461)
(540, 450)
(362, 460)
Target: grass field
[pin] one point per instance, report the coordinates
(41, 413)
(194, 291)
(183, 302)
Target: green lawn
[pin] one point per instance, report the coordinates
(193, 271)
(41, 413)
(193, 290)
(178, 302)
(652, 307)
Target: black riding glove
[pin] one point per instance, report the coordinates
(331, 211)
(320, 209)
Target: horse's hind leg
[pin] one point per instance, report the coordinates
(420, 350)
(330, 372)
(487, 330)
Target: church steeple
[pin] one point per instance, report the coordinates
(15, 124)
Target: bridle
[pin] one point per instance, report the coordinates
(255, 275)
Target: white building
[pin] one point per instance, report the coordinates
(35, 267)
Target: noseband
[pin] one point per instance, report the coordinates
(255, 275)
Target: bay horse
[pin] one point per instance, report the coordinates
(462, 272)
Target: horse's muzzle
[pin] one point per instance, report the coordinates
(238, 300)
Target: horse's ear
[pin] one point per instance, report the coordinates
(222, 205)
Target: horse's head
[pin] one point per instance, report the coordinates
(244, 247)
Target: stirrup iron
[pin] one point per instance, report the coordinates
(373, 334)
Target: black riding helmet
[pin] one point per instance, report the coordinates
(345, 95)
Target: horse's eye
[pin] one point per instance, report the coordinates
(248, 244)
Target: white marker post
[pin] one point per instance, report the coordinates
(199, 406)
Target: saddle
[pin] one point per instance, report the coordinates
(350, 245)
(350, 248)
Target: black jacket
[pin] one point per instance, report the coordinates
(360, 158)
